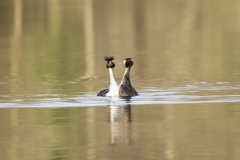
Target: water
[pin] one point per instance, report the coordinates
(197, 93)
(186, 70)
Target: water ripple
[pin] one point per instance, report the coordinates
(189, 94)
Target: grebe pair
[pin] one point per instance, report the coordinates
(125, 88)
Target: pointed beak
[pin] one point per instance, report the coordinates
(122, 62)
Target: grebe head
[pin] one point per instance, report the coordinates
(109, 62)
(128, 62)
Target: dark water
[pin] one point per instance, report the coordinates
(186, 69)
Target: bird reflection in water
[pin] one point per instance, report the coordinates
(120, 121)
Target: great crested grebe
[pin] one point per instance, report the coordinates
(113, 87)
(125, 88)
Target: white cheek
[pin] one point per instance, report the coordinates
(124, 61)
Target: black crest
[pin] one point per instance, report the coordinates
(109, 58)
(128, 62)
(109, 63)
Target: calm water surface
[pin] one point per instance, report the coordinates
(186, 69)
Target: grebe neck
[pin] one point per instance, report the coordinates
(113, 87)
(112, 80)
(126, 76)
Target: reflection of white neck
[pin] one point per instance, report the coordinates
(114, 123)
(113, 88)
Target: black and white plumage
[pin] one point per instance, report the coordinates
(125, 88)
(113, 87)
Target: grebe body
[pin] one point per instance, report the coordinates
(113, 87)
(125, 88)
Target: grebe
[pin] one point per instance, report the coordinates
(113, 87)
(125, 88)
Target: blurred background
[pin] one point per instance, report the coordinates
(58, 46)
